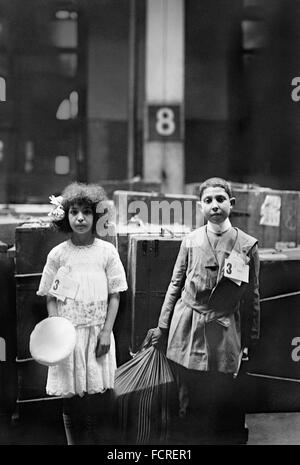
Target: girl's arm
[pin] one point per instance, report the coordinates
(51, 305)
(103, 344)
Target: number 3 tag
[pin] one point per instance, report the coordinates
(63, 286)
(236, 269)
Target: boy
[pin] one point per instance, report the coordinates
(211, 313)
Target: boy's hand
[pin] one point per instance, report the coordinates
(103, 343)
(157, 335)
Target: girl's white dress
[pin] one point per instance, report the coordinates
(99, 271)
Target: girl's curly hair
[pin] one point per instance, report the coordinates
(78, 193)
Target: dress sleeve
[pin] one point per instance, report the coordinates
(49, 272)
(115, 272)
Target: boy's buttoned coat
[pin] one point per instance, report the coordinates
(202, 337)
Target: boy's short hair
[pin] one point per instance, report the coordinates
(82, 194)
(215, 182)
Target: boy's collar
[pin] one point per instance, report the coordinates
(219, 229)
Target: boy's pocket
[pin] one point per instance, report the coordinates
(224, 321)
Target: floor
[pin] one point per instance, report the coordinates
(274, 428)
(264, 429)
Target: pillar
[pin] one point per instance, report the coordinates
(163, 154)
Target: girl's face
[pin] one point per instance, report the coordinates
(216, 204)
(81, 219)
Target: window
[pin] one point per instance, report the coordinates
(2, 89)
(68, 108)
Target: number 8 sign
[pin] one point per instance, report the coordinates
(163, 123)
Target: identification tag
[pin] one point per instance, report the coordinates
(63, 286)
(236, 269)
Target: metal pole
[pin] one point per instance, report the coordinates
(131, 90)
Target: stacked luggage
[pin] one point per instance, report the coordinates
(147, 228)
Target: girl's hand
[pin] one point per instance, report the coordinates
(103, 343)
(52, 306)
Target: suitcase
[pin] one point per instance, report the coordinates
(124, 233)
(279, 271)
(8, 225)
(151, 262)
(33, 242)
(274, 368)
(110, 186)
(30, 310)
(122, 326)
(8, 382)
(14, 215)
(156, 208)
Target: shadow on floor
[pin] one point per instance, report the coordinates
(38, 425)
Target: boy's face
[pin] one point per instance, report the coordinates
(216, 204)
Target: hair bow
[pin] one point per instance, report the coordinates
(58, 212)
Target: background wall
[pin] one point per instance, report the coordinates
(239, 117)
(107, 90)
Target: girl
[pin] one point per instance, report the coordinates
(90, 276)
